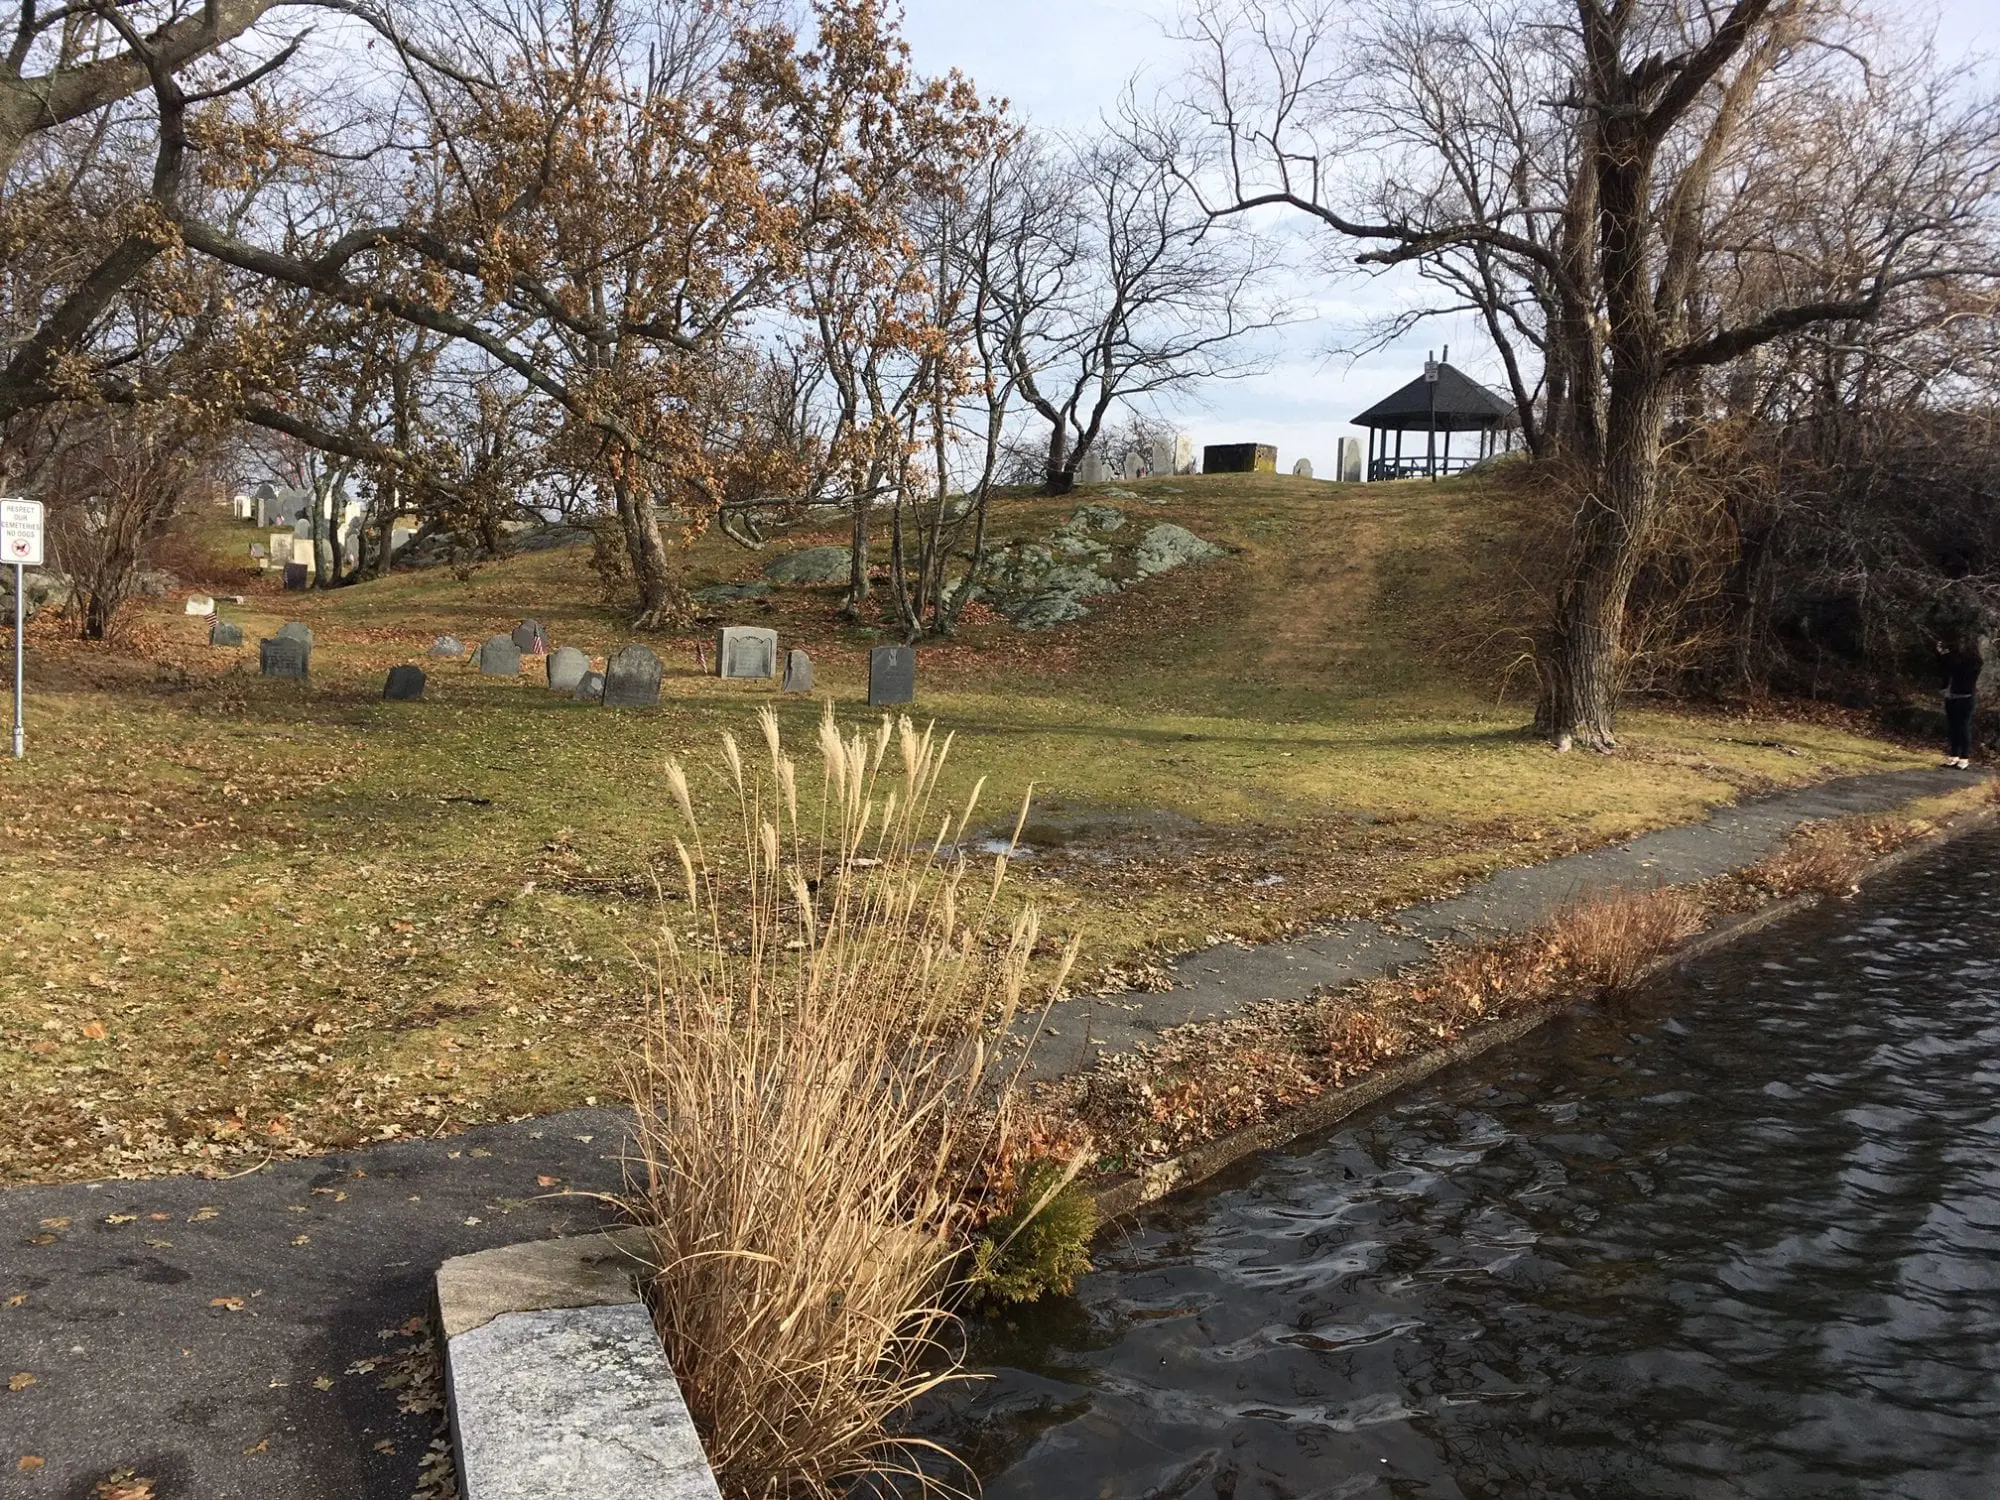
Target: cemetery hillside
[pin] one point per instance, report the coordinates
(703, 689)
(251, 916)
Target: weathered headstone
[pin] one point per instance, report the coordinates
(500, 657)
(892, 675)
(1239, 458)
(798, 672)
(566, 668)
(1350, 460)
(632, 678)
(589, 688)
(447, 645)
(294, 630)
(405, 684)
(284, 656)
(222, 633)
(200, 604)
(1303, 469)
(531, 638)
(295, 576)
(746, 651)
(259, 550)
(1093, 469)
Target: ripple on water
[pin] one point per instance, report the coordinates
(1741, 1239)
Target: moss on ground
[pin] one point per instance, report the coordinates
(246, 916)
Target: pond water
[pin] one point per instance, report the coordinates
(1739, 1237)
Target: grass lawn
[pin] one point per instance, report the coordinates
(246, 917)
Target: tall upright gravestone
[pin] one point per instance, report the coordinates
(746, 651)
(892, 675)
(499, 657)
(632, 678)
(284, 656)
(798, 673)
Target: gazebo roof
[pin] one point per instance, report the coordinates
(1463, 405)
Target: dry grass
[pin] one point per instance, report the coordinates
(1205, 1080)
(1826, 859)
(818, 1109)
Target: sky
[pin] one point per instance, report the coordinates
(1062, 62)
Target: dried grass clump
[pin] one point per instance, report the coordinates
(1608, 944)
(1826, 859)
(819, 1105)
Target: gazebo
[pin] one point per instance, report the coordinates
(1439, 402)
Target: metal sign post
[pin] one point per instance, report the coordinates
(20, 545)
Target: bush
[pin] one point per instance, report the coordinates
(1040, 1245)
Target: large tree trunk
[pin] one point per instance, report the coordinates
(660, 594)
(1580, 658)
(1059, 467)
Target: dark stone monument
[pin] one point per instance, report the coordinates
(531, 638)
(500, 657)
(746, 651)
(1239, 458)
(632, 678)
(223, 633)
(566, 668)
(798, 672)
(405, 684)
(283, 656)
(589, 688)
(292, 630)
(892, 675)
(295, 577)
(447, 645)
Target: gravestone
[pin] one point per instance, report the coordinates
(283, 656)
(405, 684)
(531, 638)
(293, 630)
(892, 675)
(295, 577)
(798, 672)
(259, 550)
(500, 657)
(1350, 460)
(1092, 470)
(1239, 458)
(1303, 469)
(566, 669)
(589, 688)
(200, 604)
(746, 651)
(447, 645)
(222, 633)
(632, 678)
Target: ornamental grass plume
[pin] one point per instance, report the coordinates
(820, 1098)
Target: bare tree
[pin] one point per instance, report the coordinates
(1663, 109)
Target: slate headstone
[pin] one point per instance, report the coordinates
(500, 657)
(632, 678)
(892, 675)
(798, 672)
(531, 638)
(258, 549)
(223, 633)
(566, 668)
(283, 656)
(447, 645)
(405, 684)
(589, 688)
(746, 651)
(293, 630)
(295, 577)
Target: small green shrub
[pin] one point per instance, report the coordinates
(1025, 1253)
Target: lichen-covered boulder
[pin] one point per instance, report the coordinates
(730, 593)
(1168, 546)
(1090, 518)
(811, 565)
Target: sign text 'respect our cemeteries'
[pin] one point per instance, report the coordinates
(21, 545)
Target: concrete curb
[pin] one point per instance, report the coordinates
(1129, 1194)
(555, 1380)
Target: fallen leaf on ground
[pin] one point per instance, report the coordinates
(121, 1218)
(323, 1383)
(234, 1304)
(259, 1447)
(124, 1485)
(95, 1031)
(20, 1381)
(28, 1463)
(62, 1223)
(544, 1180)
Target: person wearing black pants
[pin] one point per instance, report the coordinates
(1961, 698)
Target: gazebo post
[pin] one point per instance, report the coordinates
(1447, 452)
(1399, 453)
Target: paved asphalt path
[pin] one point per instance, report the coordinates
(202, 1333)
(255, 1337)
